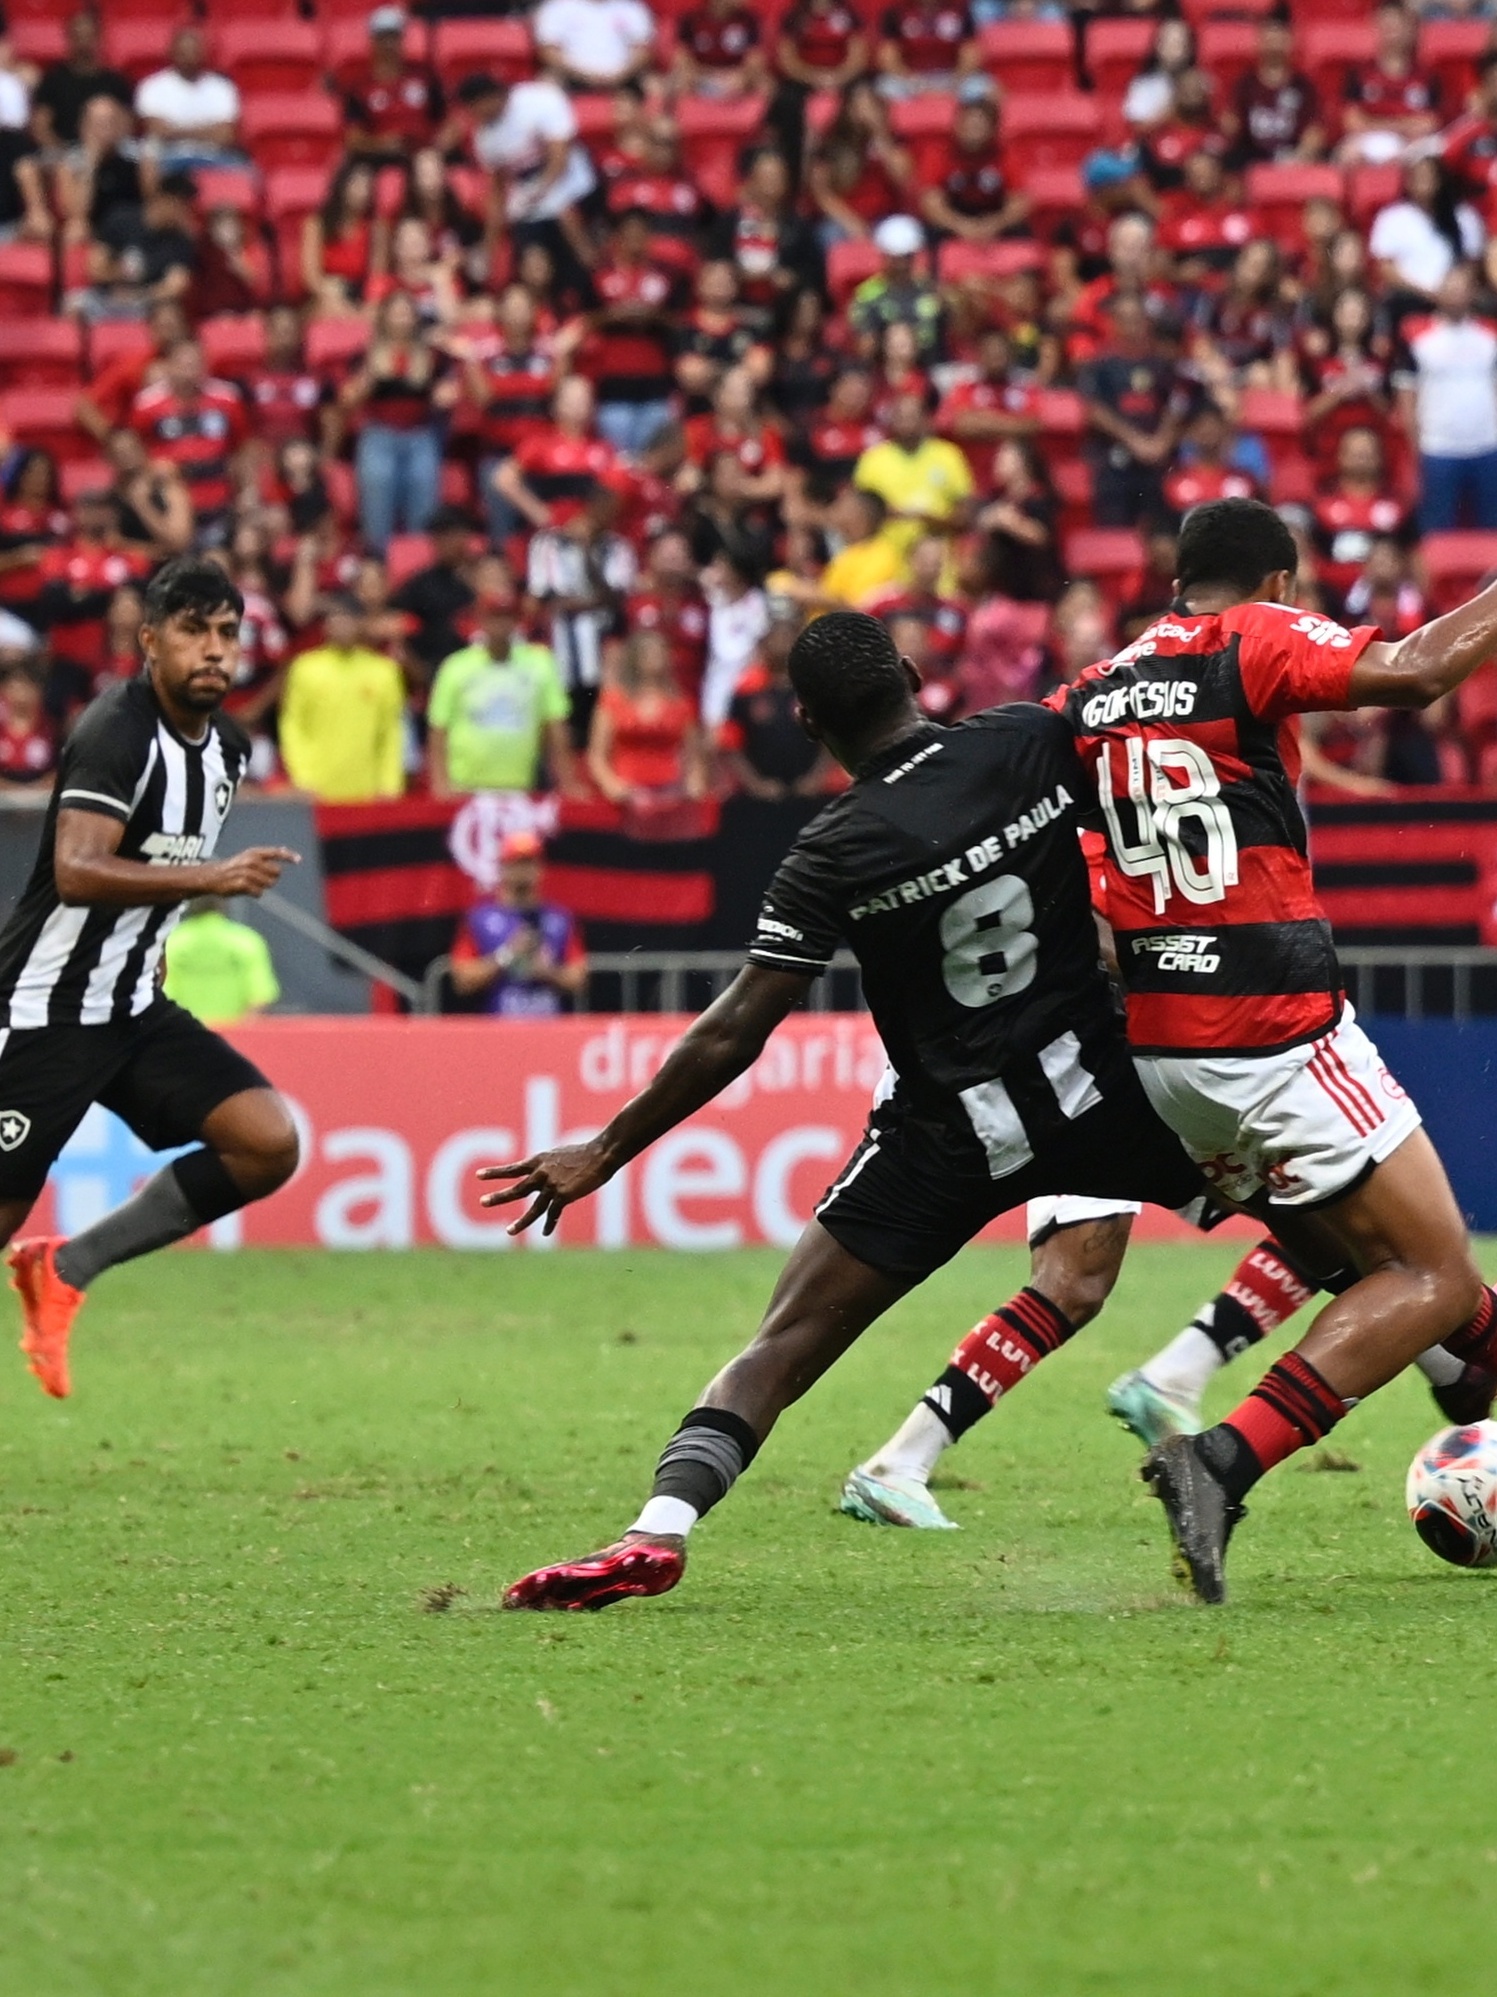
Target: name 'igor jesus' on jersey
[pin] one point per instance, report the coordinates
(62, 966)
(1221, 942)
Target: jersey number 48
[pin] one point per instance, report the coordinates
(1172, 786)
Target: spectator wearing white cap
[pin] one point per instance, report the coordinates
(594, 44)
(393, 106)
(190, 112)
(901, 294)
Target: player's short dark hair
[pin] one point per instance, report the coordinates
(190, 582)
(1237, 542)
(846, 673)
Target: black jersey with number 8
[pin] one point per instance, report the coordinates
(953, 871)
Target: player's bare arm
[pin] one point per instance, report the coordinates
(1431, 661)
(728, 1038)
(91, 874)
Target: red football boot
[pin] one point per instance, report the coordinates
(48, 1307)
(634, 1565)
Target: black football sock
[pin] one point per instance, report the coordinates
(191, 1192)
(698, 1467)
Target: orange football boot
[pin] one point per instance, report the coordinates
(48, 1307)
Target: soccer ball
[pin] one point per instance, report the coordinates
(1452, 1494)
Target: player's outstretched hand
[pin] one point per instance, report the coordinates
(551, 1181)
(252, 871)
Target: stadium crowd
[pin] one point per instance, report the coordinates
(536, 376)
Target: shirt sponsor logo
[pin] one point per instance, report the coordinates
(1184, 952)
(172, 849)
(769, 927)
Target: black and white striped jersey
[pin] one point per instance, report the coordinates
(62, 966)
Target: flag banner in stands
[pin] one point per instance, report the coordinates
(397, 1115)
(399, 874)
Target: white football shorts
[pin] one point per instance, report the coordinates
(1308, 1124)
(1042, 1218)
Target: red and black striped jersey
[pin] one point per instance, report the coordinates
(199, 436)
(1222, 944)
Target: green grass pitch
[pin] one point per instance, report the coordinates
(237, 1758)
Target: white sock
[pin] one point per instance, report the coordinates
(1439, 1367)
(1185, 1364)
(915, 1449)
(667, 1515)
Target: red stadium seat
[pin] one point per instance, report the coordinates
(269, 54)
(40, 353)
(1306, 11)
(228, 187)
(113, 339)
(1072, 480)
(342, 489)
(714, 132)
(596, 117)
(1456, 565)
(923, 124)
(44, 417)
(294, 191)
(140, 44)
(1029, 55)
(1280, 421)
(456, 484)
(40, 38)
(1227, 50)
(220, 11)
(1057, 129)
(79, 475)
(1452, 50)
(1278, 193)
(405, 555)
(1055, 194)
(821, 108)
(847, 264)
(346, 39)
(1116, 51)
(957, 261)
(231, 343)
(1062, 421)
(1104, 555)
(1328, 49)
(505, 49)
(26, 279)
(333, 345)
(1198, 12)
(1369, 188)
(292, 128)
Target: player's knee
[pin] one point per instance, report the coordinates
(1078, 1290)
(266, 1149)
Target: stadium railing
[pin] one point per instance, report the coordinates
(1421, 981)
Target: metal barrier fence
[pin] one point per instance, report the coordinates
(1408, 983)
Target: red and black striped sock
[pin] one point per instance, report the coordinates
(1477, 1341)
(995, 1356)
(1291, 1407)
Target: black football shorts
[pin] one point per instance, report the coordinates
(918, 1188)
(162, 1072)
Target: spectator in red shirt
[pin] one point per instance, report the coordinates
(1241, 336)
(658, 184)
(552, 475)
(718, 51)
(32, 519)
(1275, 112)
(511, 377)
(823, 45)
(154, 505)
(455, 230)
(826, 451)
(1391, 102)
(28, 742)
(105, 403)
(285, 395)
(393, 107)
(1205, 468)
(628, 353)
(338, 242)
(233, 271)
(79, 577)
(197, 424)
(645, 744)
(1346, 377)
(972, 199)
(926, 45)
(737, 428)
(669, 600)
(1469, 146)
(1353, 511)
(1205, 224)
(858, 172)
(713, 337)
(773, 250)
(1020, 558)
(980, 413)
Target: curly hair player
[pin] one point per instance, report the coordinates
(146, 782)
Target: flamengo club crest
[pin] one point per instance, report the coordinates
(14, 1129)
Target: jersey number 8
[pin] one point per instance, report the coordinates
(991, 952)
(1202, 869)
